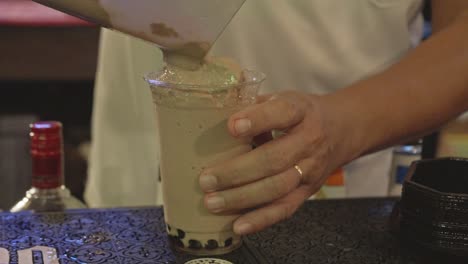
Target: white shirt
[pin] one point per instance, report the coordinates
(316, 46)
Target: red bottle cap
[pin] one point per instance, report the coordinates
(46, 127)
(46, 136)
(46, 154)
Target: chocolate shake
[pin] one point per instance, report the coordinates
(192, 110)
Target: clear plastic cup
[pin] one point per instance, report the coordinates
(193, 134)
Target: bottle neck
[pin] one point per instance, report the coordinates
(52, 193)
(47, 169)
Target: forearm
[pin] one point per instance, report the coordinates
(421, 92)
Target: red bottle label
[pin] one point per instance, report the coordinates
(47, 171)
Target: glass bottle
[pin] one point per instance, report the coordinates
(403, 156)
(48, 192)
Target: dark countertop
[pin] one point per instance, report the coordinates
(325, 231)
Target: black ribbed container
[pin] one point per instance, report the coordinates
(434, 205)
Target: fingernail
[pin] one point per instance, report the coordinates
(242, 126)
(243, 228)
(208, 183)
(215, 203)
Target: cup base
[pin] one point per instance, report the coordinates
(209, 252)
(203, 244)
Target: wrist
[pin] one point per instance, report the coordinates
(343, 128)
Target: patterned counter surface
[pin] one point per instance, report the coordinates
(328, 231)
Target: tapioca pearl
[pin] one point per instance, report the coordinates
(228, 242)
(211, 244)
(180, 234)
(208, 261)
(195, 244)
(180, 243)
(176, 241)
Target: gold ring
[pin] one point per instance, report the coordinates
(300, 172)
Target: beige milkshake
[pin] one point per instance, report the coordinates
(192, 110)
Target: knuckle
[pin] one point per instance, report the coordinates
(276, 186)
(286, 211)
(307, 147)
(312, 141)
(259, 119)
(236, 199)
(291, 111)
(281, 104)
(273, 160)
(240, 200)
(309, 142)
(234, 178)
(294, 112)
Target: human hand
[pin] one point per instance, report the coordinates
(266, 180)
